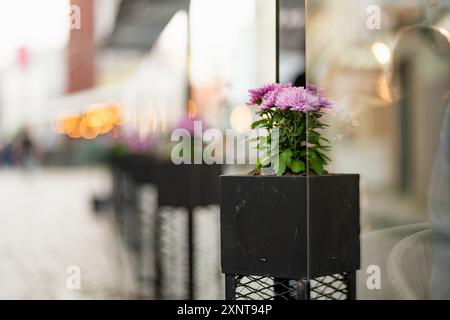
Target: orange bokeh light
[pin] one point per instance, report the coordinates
(98, 119)
(192, 109)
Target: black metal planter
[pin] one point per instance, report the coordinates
(186, 186)
(290, 237)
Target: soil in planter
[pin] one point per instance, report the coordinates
(289, 173)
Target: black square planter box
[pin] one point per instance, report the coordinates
(291, 227)
(182, 185)
(140, 167)
(187, 185)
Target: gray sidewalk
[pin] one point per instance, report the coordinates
(47, 226)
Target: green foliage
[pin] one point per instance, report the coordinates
(302, 148)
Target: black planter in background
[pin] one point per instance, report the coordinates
(187, 186)
(290, 228)
(182, 185)
(139, 167)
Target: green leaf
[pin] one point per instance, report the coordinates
(287, 156)
(265, 161)
(251, 139)
(297, 134)
(316, 162)
(321, 125)
(324, 157)
(280, 166)
(313, 137)
(317, 167)
(323, 147)
(277, 117)
(263, 139)
(297, 166)
(258, 164)
(258, 123)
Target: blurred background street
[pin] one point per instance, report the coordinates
(91, 90)
(42, 235)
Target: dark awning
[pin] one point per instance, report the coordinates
(140, 22)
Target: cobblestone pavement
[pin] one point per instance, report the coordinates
(50, 238)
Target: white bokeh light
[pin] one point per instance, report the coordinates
(37, 25)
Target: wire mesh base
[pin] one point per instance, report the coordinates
(331, 287)
(187, 261)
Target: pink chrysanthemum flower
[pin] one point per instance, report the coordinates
(293, 98)
(287, 97)
(257, 94)
(269, 99)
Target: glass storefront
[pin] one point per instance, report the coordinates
(95, 96)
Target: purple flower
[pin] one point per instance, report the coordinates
(315, 102)
(312, 103)
(301, 99)
(269, 99)
(315, 99)
(287, 97)
(311, 88)
(325, 103)
(256, 95)
(291, 98)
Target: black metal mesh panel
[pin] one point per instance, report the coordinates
(148, 205)
(261, 288)
(334, 287)
(209, 279)
(173, 251)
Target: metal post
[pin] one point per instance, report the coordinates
(191, 231)
(191, 249)
(351, 285)
(306, 289)
(158, 255)
(277, 41)
(230, 287)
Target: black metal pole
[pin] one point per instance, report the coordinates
(158, 255)
(351, 285)
(230, 287)
(306, 289)
(193, 178)
(281, 285)
(191, 258)
(277, 41)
